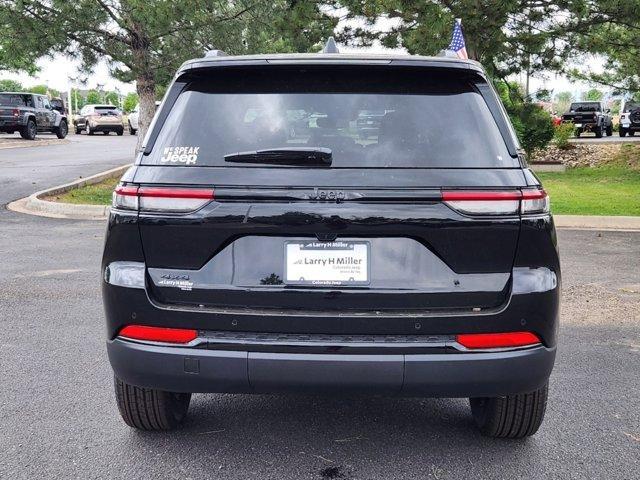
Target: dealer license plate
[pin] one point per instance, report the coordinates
(327, 263)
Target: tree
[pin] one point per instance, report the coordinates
(506, 36)
(93, 97)
(612, 29)
(41, 89)
(593, 95)
(10, 86)
(146, 40)
(112, 98)
(543, 95)
(130, 102)
(530, 121)
(563, 100)
(77, 100)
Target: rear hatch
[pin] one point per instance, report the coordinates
(261, 192)
(107, 115)
(582, 112)
(9, 107)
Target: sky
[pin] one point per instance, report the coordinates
(56, 71)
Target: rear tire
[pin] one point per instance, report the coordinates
(631, 134)
(622, 132)
(29, 131)
(609, 130)
(120, 132)
(578, 132)
(513, 416)
(132, 131)
(62, 129)
(149, 409)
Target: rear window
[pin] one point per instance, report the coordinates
(106, 110)
(12, 100)
(585, 107)
(368, 119)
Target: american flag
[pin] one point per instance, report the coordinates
(457, 40)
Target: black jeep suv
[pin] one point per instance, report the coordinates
(247, 256)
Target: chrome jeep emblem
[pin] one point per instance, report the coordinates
(330, 195)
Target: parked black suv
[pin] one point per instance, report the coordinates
(246, 256)
(30, 113)
(589, 117)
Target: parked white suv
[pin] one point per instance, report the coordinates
(629, 118)
(133, 119)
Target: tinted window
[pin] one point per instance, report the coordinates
(585, 107)
(631, 106)
(106, 110)
(367, 120)
(11, 100)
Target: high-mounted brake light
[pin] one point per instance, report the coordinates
(161, 199)
(497, 340)
(158, 334)
(483, 202)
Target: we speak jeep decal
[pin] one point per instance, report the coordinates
(186, 155)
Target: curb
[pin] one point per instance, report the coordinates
(34, 205)
(597, 222)
(548, 167)
(7, 145)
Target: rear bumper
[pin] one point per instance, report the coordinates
(188, 369)
(10, 125)
(108, 128)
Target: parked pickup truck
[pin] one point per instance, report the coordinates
(30, 113)
(589, 117)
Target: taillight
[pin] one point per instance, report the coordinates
(534, 201)
(16, 112)
(125, 197)
(483, 202)
(161, 199)
(158, 334)
(497, 340)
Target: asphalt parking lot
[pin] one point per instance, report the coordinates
(590, 138)
(58, 416)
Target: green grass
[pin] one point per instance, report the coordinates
(611, 189)
(98, 194)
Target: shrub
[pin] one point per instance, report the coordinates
(534, 127)
(532, 123)
(562, 134)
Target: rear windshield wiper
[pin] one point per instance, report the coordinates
(284, 156)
